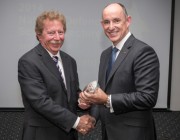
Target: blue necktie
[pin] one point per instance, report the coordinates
(111, 61)
(55, 58)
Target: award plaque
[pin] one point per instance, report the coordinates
(91, 87)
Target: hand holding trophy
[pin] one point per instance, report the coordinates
(90, 88)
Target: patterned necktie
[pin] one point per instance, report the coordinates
(55, 58)
(111, 61)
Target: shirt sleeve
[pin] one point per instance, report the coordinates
(76, 123)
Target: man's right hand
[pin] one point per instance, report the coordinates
(82, 103)
(86, 123)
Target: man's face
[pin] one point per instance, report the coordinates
(115, 23)
(52, 36)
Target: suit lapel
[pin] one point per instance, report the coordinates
(66, 64)
(48, 62)
(104, 67)
(117, 63)
(123, 53)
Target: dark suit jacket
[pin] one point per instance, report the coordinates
(133, 84)
(50, 110)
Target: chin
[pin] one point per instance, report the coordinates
(114, 40)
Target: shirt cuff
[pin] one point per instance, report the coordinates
(111, 107)
(76, 123)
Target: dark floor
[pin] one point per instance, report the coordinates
(167, 125)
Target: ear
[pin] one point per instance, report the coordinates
(38, 36)
(128, 20)
(102, 24)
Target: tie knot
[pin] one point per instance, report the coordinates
(114, 50)
(55, 58)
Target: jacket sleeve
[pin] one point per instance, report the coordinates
(145, 77)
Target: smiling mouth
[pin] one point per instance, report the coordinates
(55, 42)
(112, 33)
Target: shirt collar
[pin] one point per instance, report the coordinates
(121, 43)
(58, 54)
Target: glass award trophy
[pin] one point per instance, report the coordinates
(91, 87)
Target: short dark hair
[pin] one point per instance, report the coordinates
(120, 4)
(124, 8)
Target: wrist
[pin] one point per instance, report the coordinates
(107, 103)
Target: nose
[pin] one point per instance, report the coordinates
(56, 36)
(111, 25)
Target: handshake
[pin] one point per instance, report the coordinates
(91, 94)
(85, 124)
